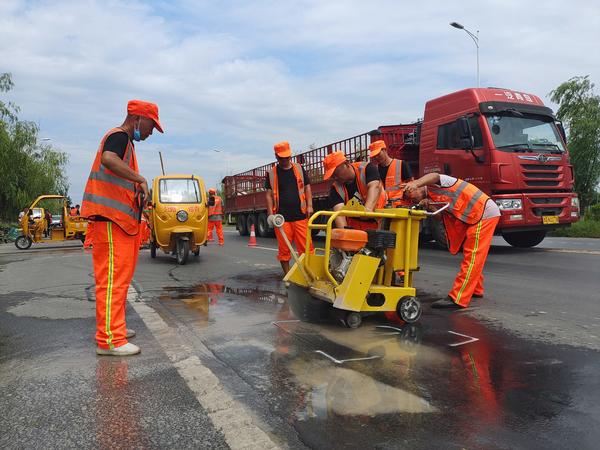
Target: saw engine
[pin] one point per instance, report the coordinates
(345, 243)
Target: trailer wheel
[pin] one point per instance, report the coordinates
(353, 320)
(525, 239)
(240, 224)
(262, 227)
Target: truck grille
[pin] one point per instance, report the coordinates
(539, 212)
(541, 175)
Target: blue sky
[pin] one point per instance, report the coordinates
(238, 76)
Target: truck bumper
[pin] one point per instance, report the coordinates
(540, 211)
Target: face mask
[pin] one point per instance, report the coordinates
(137, 136)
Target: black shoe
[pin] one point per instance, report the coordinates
(445, 303)
(477, 296)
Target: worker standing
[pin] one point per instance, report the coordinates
(215, 216)
(110, 200)
(359, 180)
(470, 221)
(288, 194)
(392, 172)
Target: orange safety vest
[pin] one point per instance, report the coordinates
(393, 180)
(217, 209)
(109, 195)
(360, 173)
(467, 205)
(297, 168)
(73, 212)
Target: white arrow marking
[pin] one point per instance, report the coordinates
(342, 361)
(470, 339)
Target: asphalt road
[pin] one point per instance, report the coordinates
(225, 364)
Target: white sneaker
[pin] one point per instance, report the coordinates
(129, 333)
(124, 350)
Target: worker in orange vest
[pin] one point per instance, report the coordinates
(111, 201)
(359, 180)
(392, 172)
(288, 194)
(74, 211)
(215, 216)
(470, 221)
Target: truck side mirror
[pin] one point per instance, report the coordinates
(561, 130)
(464, 133)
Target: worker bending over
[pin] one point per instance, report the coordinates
(215, 216)
(392, 172)
(359, 180)
(288, 194)
(110, 200)
(470, 221)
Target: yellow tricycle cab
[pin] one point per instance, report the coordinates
(178, 215)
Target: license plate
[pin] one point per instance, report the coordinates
(549, 220)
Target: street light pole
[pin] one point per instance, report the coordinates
(475, 38)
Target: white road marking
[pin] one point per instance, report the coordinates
(227, 415)
(565, 250)
(342, 361)
(470, 339)
(266, 248)
(399, 330)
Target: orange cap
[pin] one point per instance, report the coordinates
(144, 109)
(331, 162)
(282, 149)
(212, 191)
(376, 147)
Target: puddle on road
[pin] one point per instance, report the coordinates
(450, 377)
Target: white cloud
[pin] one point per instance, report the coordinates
(239, 76)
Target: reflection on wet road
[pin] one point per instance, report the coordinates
(450, 381)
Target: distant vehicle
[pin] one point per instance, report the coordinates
(56, 220)
(507, 143)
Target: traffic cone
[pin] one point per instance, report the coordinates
(252, 242)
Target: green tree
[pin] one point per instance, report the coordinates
(579, 109)
(27, 168)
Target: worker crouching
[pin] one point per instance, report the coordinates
(288, 194)
(469, 220)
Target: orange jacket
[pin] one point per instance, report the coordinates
(360, 173)
(217, 209)
(393, 180)
(467, 205)
(109, 195)
(298, 173)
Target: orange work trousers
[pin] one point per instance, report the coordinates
(218, 225)
(115, 255)
(477, 243)
(296, 234)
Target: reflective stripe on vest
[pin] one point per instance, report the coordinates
(472, 200)
(102, 175)
(111, 203)
(299, 175)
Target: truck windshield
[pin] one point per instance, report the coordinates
(178, 191)
(512, 132)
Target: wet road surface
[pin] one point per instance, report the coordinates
(449, 382)
(517, 370)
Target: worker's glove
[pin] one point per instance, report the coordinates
(271, 220)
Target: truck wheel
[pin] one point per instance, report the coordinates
(183, 250)
(262, 227)
(23, 242)
(251, 220)
(439, 234)
(240, 224)
(525, 239)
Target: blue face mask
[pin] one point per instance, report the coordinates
(137, 136)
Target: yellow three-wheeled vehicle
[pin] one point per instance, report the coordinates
(62, 227)
(178, 215)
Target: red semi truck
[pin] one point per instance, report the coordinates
(505, 142)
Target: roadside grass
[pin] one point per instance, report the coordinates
(585, 228)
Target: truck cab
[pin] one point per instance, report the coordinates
(512, 147)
